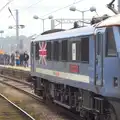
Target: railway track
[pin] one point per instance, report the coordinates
(27, 89)
(10, 111)
(16, 80)
(20, 85)
(16, 73)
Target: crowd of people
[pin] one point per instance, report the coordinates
(17, 58)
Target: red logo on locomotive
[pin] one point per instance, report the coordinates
(43, 53)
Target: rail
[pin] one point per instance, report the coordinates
(18, 108)
(38, 98)
(15, 79)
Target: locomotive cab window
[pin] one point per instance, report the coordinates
(37, 50)
(110, 43)
(85, 49)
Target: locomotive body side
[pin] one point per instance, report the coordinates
(52, 68)
(80, 69)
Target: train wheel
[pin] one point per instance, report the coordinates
(112, 115)
(89, 116)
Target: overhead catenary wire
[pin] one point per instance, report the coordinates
(6, 5)
(61, 8)
(34, 4)
(74, 1)
(26, 8)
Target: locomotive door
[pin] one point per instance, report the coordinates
(99, 58)
(32, 57)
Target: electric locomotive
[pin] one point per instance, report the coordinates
(80, 69)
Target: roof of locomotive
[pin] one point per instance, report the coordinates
(67, 34)
(111, 21)
(52, 31)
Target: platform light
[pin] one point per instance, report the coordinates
(91, 9)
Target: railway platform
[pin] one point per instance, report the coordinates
(15, 67)
(17, 72)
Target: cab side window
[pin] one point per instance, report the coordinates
(110, 43)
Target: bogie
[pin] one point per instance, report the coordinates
(85, 103)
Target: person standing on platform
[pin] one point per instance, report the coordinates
(12, 59)
(5, 59)
(21, 59)
(26, 58)
(8, 59)
(17, 59)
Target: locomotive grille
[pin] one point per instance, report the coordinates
(99, 104)
(88, 100)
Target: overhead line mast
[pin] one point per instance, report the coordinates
(119, 6)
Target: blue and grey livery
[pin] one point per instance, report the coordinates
(80, 69)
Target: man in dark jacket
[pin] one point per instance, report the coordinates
(12, 59)
(26, 58)
(21, 59)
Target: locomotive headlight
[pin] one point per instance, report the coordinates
(115, 81)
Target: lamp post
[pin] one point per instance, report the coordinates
(15, 47)
(1, 32)
(17, 33)
(92, 9)
(14, 27)
(9, 46)
(43, 19)
(52, 22)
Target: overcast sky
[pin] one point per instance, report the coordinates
(44, 8)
